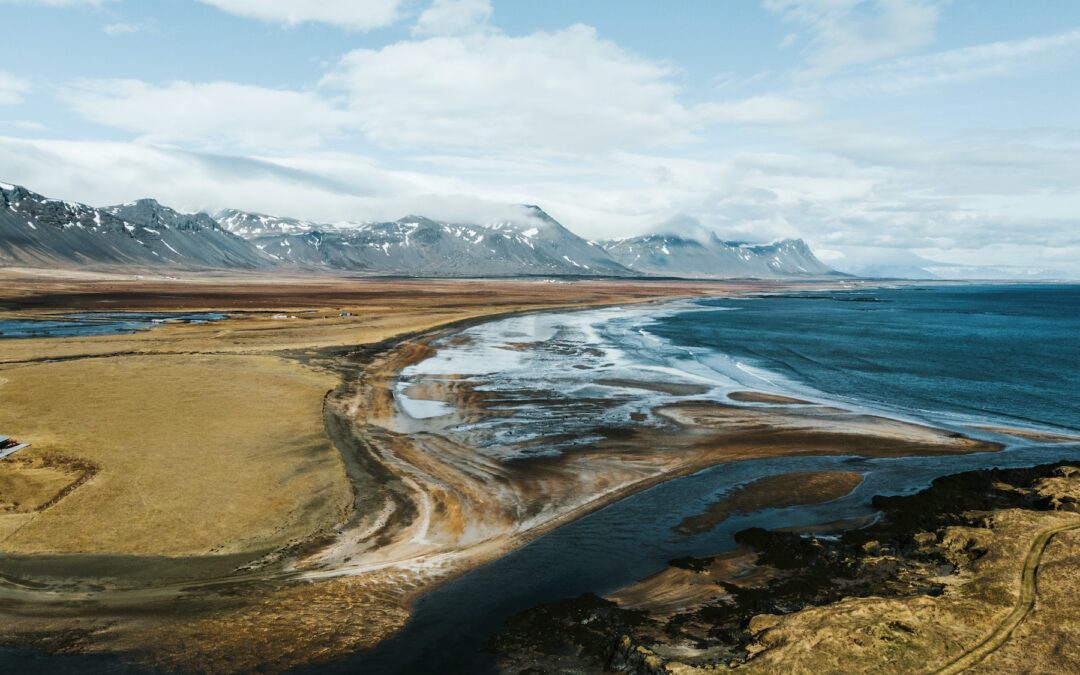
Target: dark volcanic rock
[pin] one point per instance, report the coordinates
(578, 635)
(902, 555)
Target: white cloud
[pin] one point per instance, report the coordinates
(962, 64)
(453, 17)
(761, 110)
(320, 187)
(128, 28)
(352, 14)
(28, 125)
(834, 202)
(844, 33)
(567, 91)
(212, 114)
(12, 88)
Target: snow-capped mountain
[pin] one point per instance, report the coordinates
(37, 231)
(536, 244)
(711, 257)
(248, 225)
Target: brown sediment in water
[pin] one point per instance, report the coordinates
(1031, 434)
(684, 587)
(790, 489)
(747, 431)
(832, 527)
(673, 388)
(762, 397)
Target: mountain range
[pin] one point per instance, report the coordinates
(710, 257)
(39, 232)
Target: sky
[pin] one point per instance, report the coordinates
(947, 129)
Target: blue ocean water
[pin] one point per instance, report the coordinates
(1003, 352)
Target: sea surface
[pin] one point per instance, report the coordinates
(952, 356)
(999, 354)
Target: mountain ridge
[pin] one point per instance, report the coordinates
(39, 231)
(711, 257)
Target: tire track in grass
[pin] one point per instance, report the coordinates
(1024, 604)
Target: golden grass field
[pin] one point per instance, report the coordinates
(196, 455)
(926, 634)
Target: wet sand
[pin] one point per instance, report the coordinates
(761, 397)
(790, 489)
(674, 388)
(1031, 434)
(685, 586)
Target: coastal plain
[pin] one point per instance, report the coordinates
(239, 495)
(200, 454)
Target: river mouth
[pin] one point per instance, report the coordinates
(569, 394)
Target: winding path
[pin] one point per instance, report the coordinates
(1024, 604)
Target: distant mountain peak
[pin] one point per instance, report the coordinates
(537, 213)
(416, 220)
(709, 256)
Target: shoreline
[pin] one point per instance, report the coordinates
(929, 585)
(448, 559)
(460, 560)
(205, 601)
(39, 622)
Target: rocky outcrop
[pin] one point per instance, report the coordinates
(948, 535)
